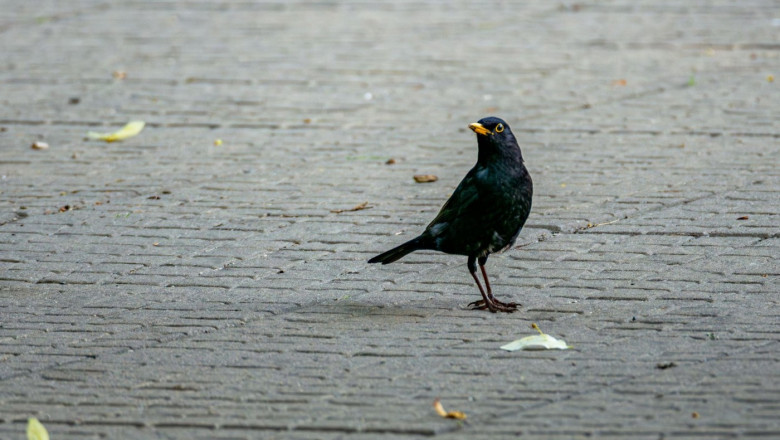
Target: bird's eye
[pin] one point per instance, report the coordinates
(499, 128)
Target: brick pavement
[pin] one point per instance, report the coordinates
(189, 290)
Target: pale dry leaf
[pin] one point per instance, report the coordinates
(541, 341)
(35, 430)
(131, 129)
(38, 145)
(359, 207)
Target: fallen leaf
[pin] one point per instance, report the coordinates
(744, 217)
(447, 414)
(536, 342)
(131, 129)
(695, 415)
(217, 142)
(35, 430)
(119, 74)
(770, 78)
(359, 207)
(594, 225)
(38, 145)
(390, 161)
(619, 82)
(665, 365)
(425, 178)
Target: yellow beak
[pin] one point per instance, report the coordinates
(479, 129)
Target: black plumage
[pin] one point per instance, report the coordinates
(485, 213)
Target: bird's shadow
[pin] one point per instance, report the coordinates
(357, 310)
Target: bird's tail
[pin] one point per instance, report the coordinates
(399, 252)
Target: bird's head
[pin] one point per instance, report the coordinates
(490, 126)
(494, 135)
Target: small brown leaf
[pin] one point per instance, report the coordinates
(447, 415)
(425, 178)
(359, 207)
(38, 145)
(390, 161)
(119, 74)
(619, 82)
(695, 415)
(744, 217)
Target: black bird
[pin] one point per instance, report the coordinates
(485, 213)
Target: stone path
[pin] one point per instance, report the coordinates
(169, 287)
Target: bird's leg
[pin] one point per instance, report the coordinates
(485, 303)
(512, 306)
(482, 262)
(488, 297)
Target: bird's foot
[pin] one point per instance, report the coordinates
(494, 306)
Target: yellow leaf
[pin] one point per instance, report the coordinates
(437, 406)
(35, 430)
(131, 129)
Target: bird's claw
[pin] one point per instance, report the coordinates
(494, 306)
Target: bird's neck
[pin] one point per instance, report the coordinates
(490, 153)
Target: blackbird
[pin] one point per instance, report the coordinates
(485, 213)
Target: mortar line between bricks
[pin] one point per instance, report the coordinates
(641, 212)
(660, 90)
(520, 129)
